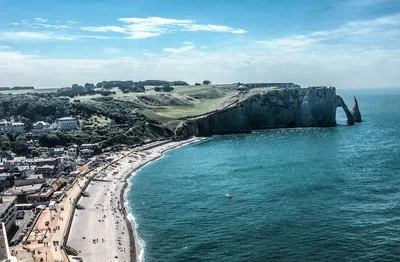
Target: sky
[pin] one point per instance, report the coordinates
(341, 43)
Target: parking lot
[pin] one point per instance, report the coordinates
(23, 226)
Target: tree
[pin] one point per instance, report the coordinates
(34, 153)
(20, 144)
(49, 140)
(197, 84)
(88, 86)
(5, 143)
(206, 82)
(167, 88)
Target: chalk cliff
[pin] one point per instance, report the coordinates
(264, 109)
(355, 111)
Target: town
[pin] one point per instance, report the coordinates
(32, 189)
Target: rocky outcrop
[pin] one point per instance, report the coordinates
(350, 117)
(309, 107)
(355, 111)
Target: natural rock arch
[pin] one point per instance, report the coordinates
(350, 117)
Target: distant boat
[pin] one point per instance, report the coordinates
(228, 195)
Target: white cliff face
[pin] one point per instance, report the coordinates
(310, 107)
(318, 107)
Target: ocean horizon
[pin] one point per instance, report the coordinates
(301, 194)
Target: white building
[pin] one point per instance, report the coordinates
(8, 211)
(42, 127)
(11, 127)
(67, 123)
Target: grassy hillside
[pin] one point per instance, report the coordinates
(184, 101)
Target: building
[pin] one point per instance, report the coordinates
(58, 151)
(67, 123)
(5, 254)
(63, 98)
(42, 127)
(73, 151)
(86, 153)
(11, 127)
(46, 170)
(44, 196)
(8, 211)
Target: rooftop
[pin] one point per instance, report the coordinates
(7, 201)
(67, 118)
(19, 190)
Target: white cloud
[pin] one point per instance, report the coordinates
(213, 28)
(40, 23)
(344, 69)
(188, 46)
(148, 54)
(342, 57)
(41, 20)
(155, 21)
(111, 50)
(154, 26)
(140, 35)
(115, 29)
(64, 38)
(24, 35)
(48, 26)
(46, 36)
(5, 48)
(381, 31)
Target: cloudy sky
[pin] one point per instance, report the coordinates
(342, 43)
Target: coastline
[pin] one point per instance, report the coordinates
(117, 174)
(135, 250)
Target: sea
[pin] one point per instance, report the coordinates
(301, 194)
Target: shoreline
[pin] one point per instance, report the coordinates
(136, 249)
(107, 214)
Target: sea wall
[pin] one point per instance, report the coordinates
(308, 107)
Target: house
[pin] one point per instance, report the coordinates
(45, 194)
(86, 153)
(73, 151)
(42, 127)
(59, 151)
(8, 211)
(67, 123)
(63, 98)
(31, 180)
(46, 170)
(11, 127)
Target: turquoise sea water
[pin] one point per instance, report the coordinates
(309, 194)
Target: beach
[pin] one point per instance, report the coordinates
(102, 231)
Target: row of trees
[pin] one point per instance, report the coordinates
(205, 82)
(15, 143)
(164, 88)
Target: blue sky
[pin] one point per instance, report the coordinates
(343, 43)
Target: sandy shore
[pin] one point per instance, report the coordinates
(102, 231)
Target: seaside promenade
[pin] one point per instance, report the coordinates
(101, 231)
(58, 221)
